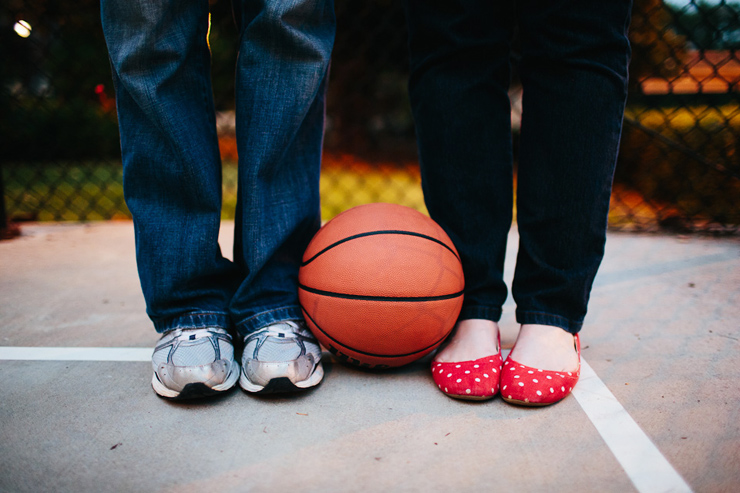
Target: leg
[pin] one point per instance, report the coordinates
(281, 86)
(574, 74)
(172, 182)
(172, 170)
(460, 71)
(282, 74)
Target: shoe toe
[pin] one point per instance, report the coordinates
(262, 372)
(477, 379)
(211, 375)
(521, 384)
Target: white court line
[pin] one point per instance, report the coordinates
(646, 467)
(75, 353)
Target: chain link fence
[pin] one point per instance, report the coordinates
(679, 166)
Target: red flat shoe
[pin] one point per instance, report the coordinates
(473, 380)
(528, 386)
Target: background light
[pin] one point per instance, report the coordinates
(22, 29)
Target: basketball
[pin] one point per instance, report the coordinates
(381, 285)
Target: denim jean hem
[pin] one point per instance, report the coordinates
(195, 320)
(484, 312)
(267, 317)
(542, 318)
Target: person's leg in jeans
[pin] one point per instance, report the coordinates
(280, 124)
(172, 184)
(172, 168)
(460, 74)
(575, 56)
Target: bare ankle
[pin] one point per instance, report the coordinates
(471, 339)
(545, 347)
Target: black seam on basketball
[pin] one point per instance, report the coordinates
(406, 299)
(381, 232)
(343, 345)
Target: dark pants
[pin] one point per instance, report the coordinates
(573, 69)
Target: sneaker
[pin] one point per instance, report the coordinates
(282, 357)
(191, 363)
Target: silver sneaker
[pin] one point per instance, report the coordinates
(191, 363)
(282, 357)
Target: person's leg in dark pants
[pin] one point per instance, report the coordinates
(459, 81)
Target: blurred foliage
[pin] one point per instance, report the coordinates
(678, 165)
(684, 162)
(657, 50)
(679, 153)
(50, 106)
(708, 25)
(368, 109)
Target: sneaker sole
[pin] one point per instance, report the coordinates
(283, 384)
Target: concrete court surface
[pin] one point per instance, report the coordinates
(659, 410)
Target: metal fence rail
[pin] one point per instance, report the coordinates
(679, 166)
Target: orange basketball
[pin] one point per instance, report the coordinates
(381, 285)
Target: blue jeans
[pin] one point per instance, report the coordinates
(573, 69)
(160, 61)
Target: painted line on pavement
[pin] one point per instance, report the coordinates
(646, 467)
(75, 353)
